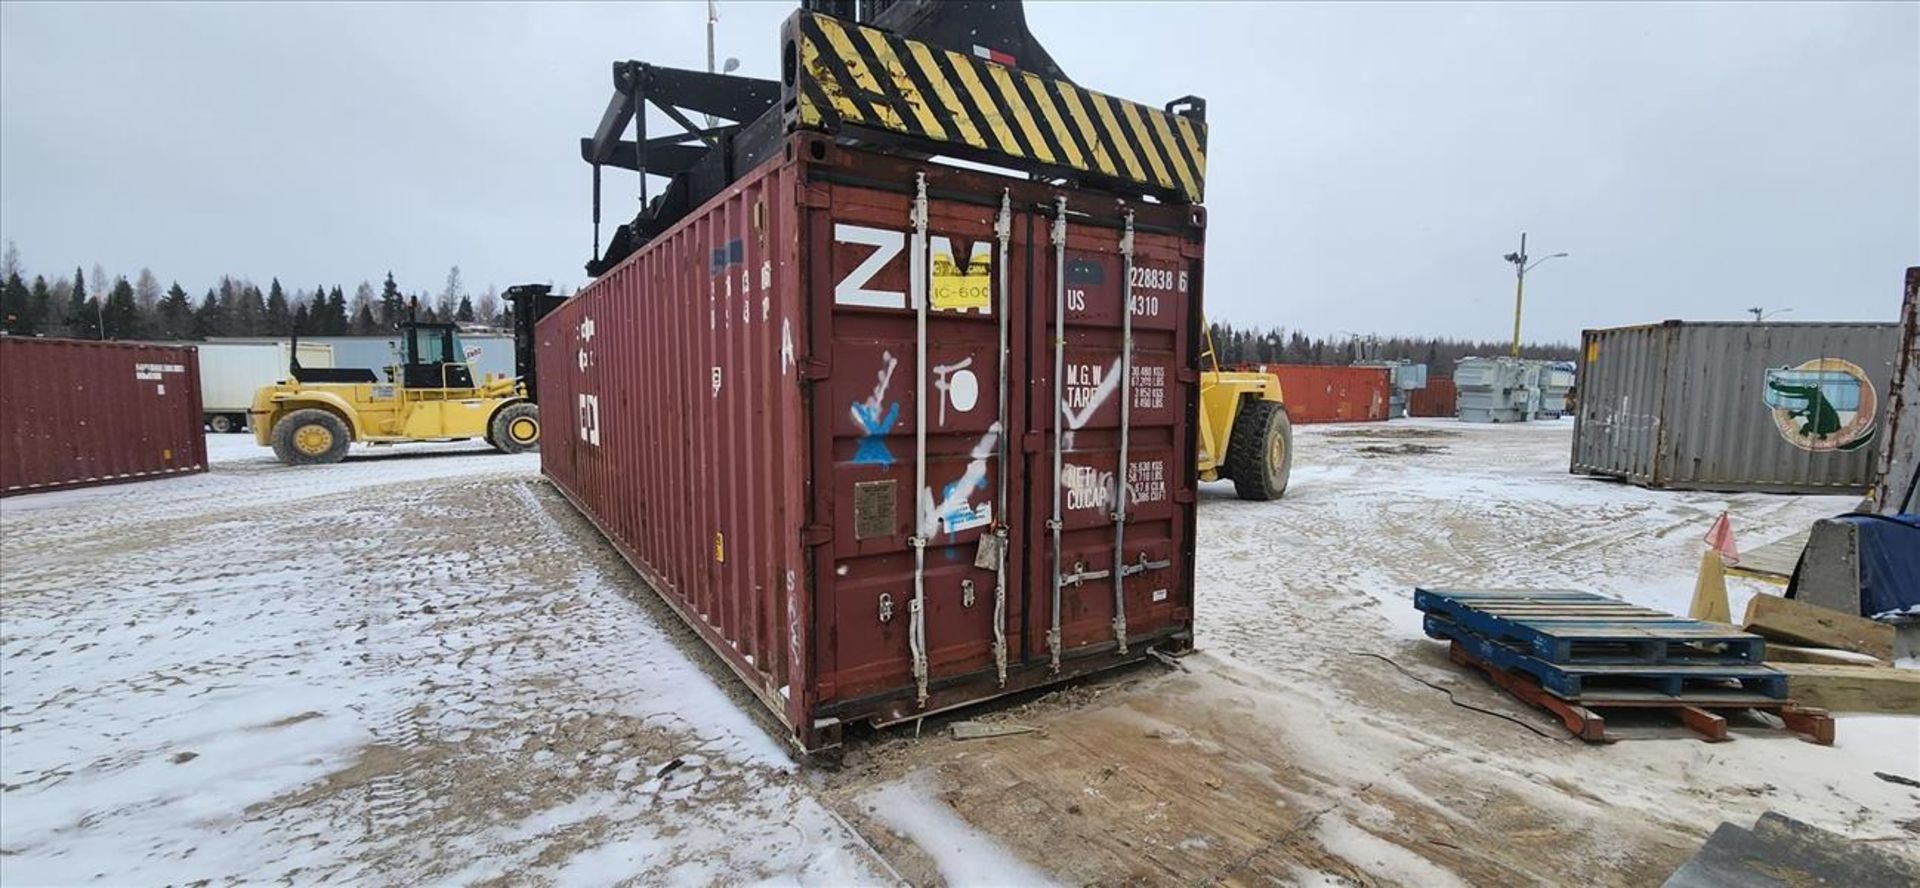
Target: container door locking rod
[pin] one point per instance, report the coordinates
(1121, 491)
(1059, 407)
(1003, 231)
(917, 273)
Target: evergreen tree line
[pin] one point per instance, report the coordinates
(1278, 345)
(92, 307)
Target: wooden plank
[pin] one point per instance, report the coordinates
(1708, 725)
(1779, 652)
(1793, 621)
(1854, 688)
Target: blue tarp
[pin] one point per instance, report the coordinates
(1889, 552)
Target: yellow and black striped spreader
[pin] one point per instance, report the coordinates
(851, 76)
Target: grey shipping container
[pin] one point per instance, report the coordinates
(1777, 407)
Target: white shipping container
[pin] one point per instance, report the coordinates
(230, 372)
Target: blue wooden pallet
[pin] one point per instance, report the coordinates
(1573, 681)
(1567, 626)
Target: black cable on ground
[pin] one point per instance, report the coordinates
(1449, 692)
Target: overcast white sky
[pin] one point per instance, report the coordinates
(1368, 164)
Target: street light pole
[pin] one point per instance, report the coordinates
(1520, 268)
(713, 16)
(1519, 288)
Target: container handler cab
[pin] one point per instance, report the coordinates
(315, 414)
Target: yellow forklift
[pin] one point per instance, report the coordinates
(315, 414)
(1245, 435)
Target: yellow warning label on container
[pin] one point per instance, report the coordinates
(719, 547)
(957, 289)
(1593, 352)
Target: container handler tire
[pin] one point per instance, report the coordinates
(1260, 451)
(515, 428)
(311, 437)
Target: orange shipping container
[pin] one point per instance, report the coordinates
(1317, 393)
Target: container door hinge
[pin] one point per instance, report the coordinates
(816, 534)
(1187, 375)
(814, 369)
(1033, 442)
(1183, 495)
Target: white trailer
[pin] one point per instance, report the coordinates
(230, 372)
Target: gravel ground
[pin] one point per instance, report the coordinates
(421, 666)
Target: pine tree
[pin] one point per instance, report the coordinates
(15, 304)
(336, 314)
(300, 322)
(393, 306)
(121, 314)
(39, 309)
(211, 318)
(83, 315)
(465, 312)
(277, 315)
(363, 323)
(176, 314)
(250, 315)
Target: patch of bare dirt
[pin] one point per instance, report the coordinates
(1374, 451)
(1385, 430)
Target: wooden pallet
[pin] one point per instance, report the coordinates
(1702, 713)
(1574, 681)
(1569, 626)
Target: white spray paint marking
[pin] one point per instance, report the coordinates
(1090, 401)
(956, 389)
(960, 492)
(716, 380)
(879, 390)
(786, 346)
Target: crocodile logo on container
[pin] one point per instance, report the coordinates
(1823, 404)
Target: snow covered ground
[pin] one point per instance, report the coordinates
(421, 666)
(415, 666)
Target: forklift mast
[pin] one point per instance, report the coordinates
(530, 302)
(922, 78)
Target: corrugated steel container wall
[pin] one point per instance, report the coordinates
(1437, 399)
(1316, 393)
(74, 412)
(744, 400)
(1899, 487)
(1781, 407)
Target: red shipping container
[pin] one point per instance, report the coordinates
(1438, 399)
(750, 404)
(75, 412)
(1318, 393)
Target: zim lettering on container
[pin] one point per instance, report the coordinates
(961, 271)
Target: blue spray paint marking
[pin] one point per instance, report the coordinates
(952, 520)
(873, 447)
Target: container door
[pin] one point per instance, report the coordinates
(917, 309)
(1113, 406)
